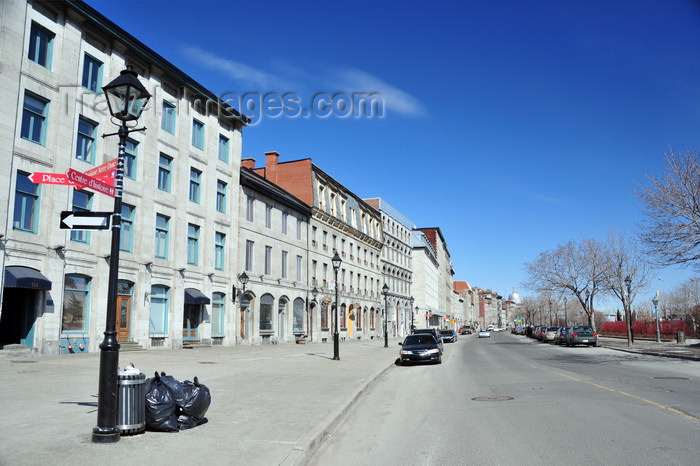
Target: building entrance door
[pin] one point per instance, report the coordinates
(190, 324)
(123, 316)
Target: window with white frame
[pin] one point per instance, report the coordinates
(268, 216)
(285, 256)
(285, 218)
(165, 167)
(130, 152)
(249, 209)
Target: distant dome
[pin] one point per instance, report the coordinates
(514, 297)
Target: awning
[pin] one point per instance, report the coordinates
(23, 277)
(193, 296)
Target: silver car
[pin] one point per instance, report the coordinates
(549, 334)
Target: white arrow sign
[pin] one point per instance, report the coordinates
(85, 220)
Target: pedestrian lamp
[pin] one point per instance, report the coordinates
(336, 346)
(385, 292)
(655, 302)
(126, 99)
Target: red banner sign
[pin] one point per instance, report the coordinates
(88, 181)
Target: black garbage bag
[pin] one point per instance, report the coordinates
(197, 399)
(175, 387)
(161, 408)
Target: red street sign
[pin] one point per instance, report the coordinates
(50, 178)
(88, 181)
(105, 170)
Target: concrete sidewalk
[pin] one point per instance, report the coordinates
(271, 404)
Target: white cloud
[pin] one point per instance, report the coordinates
(246, 75)
(395, 99)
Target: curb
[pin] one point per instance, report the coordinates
(306, 446)
(654, 353)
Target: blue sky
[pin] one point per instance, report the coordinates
(514, 126)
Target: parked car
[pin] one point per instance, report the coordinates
(448, 336)
(549, 333)
(484, 333)
(581, 335)
(431, 331)
(560, 337)
(420, 347)
(539, 332)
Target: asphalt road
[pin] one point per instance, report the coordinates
(511, 400)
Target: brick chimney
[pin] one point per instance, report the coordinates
(271, 159)
(248, 163)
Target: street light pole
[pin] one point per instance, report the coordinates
(410, 305)
(566, 322)
(655, 301)
(385, 292)
(126, 99)
(336, 345)
(628, 310)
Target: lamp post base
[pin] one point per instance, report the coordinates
(105, 435)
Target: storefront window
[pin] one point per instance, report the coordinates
(75, 303)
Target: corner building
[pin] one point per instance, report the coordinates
(178, 248)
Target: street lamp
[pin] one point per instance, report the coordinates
(336, 345)
(243, 278)
(655, 302)
(628, 310)
(566, 322)
(126, 98)
(385, 292)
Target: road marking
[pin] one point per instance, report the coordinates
(603, 387)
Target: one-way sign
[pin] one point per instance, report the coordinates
(85, 220)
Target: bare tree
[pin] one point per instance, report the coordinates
(627, 272)
(671, 232)
(576, 268)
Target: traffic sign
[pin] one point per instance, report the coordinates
(88, 181)
(85, 220)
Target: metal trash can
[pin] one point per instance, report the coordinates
(680, 337)
(131, 413)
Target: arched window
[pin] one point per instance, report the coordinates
(218, 311)
(76, 303)
(266, 304)
(298, 324)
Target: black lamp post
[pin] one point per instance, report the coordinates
(628, 310)
(309, 316)
(385, 292)
(126, 98)
(336, 345)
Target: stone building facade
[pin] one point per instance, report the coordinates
(177, 250)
